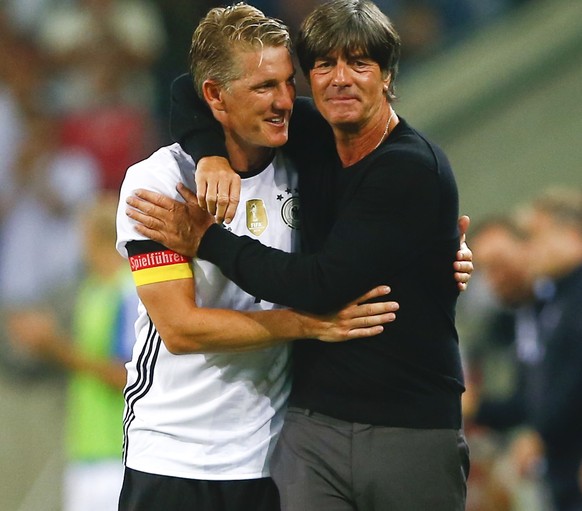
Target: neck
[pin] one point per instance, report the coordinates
(244, 159)
(355, 144)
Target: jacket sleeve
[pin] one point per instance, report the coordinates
(380, 231)
(192, 124)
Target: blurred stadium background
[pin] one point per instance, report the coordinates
(496, 82)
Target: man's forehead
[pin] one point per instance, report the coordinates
(267, 59)
(348, 53)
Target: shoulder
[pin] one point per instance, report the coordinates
(408, 144)
(160, 172)
(409, 155)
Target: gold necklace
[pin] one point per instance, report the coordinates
(386, 130)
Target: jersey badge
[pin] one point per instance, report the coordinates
(257, 220)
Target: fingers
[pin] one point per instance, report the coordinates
(462, 286)
(463, 266)
(372, 320)
(369, 325)
(145, 212)
(143, 219)
(462, 279)
(211, 196)
(464, 253)
(146, 226)
(226, 207)
(188, 195)
(222, 196)
(365, 332)
(369, 310)
(201, 191)
(373, 293)
(233, 200)
(231, 208)
(157, 200)
(152, 206)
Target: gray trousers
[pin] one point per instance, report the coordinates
(324, 464)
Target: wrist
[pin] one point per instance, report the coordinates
(206, 240)
(309, 326)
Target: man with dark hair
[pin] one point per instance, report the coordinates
(553, 396)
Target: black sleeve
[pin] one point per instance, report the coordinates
(384, 226)
(192, 124)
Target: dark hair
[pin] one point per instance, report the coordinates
(349, 26)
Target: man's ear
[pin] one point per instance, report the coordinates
(212, 93)
(387, 79)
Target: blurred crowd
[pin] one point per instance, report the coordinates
(84, 93)
(523, 404)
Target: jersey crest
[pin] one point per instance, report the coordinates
(290, 212)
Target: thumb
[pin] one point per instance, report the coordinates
(463, 223)
(188, 195)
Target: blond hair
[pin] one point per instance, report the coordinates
(227, 29)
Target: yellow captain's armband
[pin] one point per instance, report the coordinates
(160, 266)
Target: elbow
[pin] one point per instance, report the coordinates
(176, 346)
(178, 343)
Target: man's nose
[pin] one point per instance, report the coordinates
(340, 74)
(285, 96)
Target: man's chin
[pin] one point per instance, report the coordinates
(277, 141)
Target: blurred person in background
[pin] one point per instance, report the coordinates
(548, 341)
(100, 55)
(501, 253)
(40, 237)
(92, 352)
(42, 195)
(102, 51)
(11, 129)
(553, 224)
(493, 402)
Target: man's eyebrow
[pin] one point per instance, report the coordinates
(271, 82)
(265, 83)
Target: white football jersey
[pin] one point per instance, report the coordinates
(209, 416)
